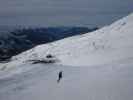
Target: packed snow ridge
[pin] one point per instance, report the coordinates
(109, 44)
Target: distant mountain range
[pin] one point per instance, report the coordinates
(13, 42)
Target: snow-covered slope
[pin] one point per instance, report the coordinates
(109, 44)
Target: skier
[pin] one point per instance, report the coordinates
(59, 76)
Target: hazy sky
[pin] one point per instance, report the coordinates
(63, 12)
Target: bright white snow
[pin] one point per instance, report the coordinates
(96, 66)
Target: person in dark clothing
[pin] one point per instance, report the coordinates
(59, 76)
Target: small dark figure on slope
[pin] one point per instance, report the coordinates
(59, 76)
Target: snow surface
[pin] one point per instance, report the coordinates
(107, 82)
(111, 43)
(96, 66)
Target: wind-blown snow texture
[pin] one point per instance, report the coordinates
(96, 66)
